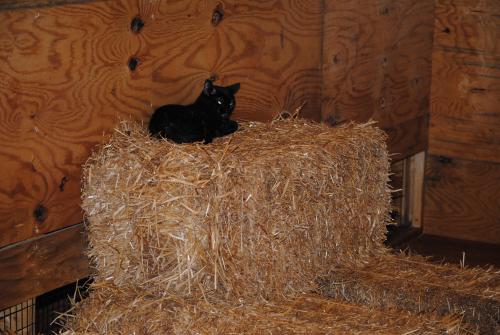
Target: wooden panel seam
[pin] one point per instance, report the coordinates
(465, 118)
(407, 138)
(25, 4)
(38, 237)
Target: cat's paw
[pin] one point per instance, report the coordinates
(227, 127)
(233, 126)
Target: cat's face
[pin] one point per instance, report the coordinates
(222, 98)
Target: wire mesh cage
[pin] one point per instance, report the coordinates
(41, 315)
(19, 319)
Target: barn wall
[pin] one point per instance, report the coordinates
(66, 79)
(377, 65)
(462, 197)
(66, 82)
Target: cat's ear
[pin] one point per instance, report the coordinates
(208, 87)
(233, 88)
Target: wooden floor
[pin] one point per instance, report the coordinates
(447, 249)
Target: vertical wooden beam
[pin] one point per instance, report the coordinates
(413, 183)
(407, 182)
(396, 184)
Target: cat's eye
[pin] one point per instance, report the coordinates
(220, 101)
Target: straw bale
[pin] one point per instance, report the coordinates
(112, 310)
(260, 213)
(413, 284)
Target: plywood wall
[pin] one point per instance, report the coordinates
(465, 96)
(65, 81)
(462, 198)
(70, 72)
(377, 65)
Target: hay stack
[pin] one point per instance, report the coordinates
(260, 213)
(227, 237)
(113, 310)
(412, 284)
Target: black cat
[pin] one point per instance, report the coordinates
(207, 118)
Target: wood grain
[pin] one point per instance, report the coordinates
(272, 48)
(462, 199)
(65, 83)
(377, 61)
(407, 138)
(465, 96)
(468, 25)
(41, 264)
